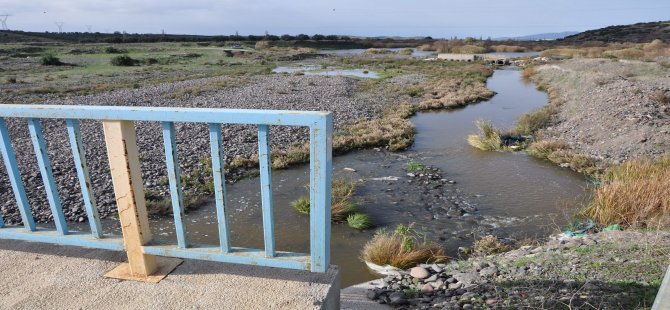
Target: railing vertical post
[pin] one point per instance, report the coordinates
(15, 177)
(129, 191)
(320, 171)
(266, 189)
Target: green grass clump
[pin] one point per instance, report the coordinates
(488, 139)
(50, 60)
(341, 205)
(415, 166)
(359, 221)
(403, 248)
(301, 205)
(123, 61)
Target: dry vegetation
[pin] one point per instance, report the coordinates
(341, 205)
(402, 248)
(646, 52)
(634, 194)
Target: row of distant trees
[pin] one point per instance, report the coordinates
(119, 37)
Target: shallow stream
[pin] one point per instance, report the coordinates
(515, 195)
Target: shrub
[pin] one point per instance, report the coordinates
(633, 194)
(11, 80)
(488, 139)
(402, 248)
(659, 97)
(359, 221)
(50, 60)
(508, 48)
(123, 60)
(260, 45)
(114, 50)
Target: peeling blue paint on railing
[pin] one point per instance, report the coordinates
(320, 128)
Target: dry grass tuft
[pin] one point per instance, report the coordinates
(544, 148)
(528, 72)
(578, 162)
(452, 93)
(488, 139)
(508, 48)
(401, 248)
(634, 194)
(393, 129)
(490, 245)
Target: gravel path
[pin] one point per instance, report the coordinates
(336, 94)
(612, 110)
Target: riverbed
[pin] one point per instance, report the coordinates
(514, 194)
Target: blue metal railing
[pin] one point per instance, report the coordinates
(320, 128)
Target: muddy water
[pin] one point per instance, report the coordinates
(515, 194)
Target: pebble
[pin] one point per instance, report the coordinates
(419, 272)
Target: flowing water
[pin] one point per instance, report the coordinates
(515, 194)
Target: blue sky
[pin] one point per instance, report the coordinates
(353, 17)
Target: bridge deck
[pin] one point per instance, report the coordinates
(40, 276)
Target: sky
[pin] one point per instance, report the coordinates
(439, 19)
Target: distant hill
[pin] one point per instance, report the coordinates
(540, 36)
(636, 33)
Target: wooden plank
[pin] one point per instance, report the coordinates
(320, 171)
(174, 177)
(266, 188)
(129, 191)
(15, 177)
(79, 156)
(47, 174)
(220, 195)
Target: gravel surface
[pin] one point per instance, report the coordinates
(608, 270)
(611, 109)
(336, 94)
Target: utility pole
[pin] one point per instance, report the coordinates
(60, 26)
(3, 21)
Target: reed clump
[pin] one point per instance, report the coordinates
(488, 138)
(402, 248)
(634, 194)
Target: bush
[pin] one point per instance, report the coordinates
(114, 50)
(359, 221)
(415, 166)
(123, 60)
(402, 248)
(11, 80)
(50, 60)
(633, 194)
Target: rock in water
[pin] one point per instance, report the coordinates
(419, 272)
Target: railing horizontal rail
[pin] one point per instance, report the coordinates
(197, 115)
(123, 155)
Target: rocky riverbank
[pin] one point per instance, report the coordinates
(336, 94)
(609, 110)
(607, 270)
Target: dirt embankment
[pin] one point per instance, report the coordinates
(610, 110)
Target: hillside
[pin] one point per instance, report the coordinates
(636, 33)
